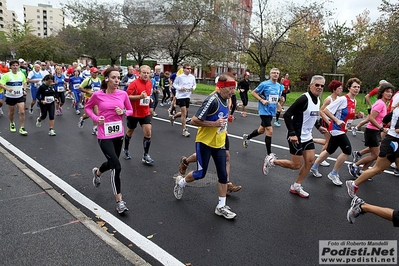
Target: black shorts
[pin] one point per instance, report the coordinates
(297, 149)
(284, 95)
(184, 102)
(395, 218)
(266, 120)
(226, 144)
(132, 121)
(14, 101)
(389, 148)
(372, 138)
(341, 141)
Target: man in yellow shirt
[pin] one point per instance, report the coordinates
(211, 119)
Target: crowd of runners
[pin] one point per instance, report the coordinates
(110, 101)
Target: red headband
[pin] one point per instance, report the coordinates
(224, 84)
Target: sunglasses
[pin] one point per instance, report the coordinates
(319, 85)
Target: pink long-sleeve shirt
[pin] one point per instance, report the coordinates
(107, 102)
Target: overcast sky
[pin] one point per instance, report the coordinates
(345, 10)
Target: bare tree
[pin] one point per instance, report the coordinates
(268, 35)
(101, 30)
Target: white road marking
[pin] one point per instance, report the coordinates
(140, 241)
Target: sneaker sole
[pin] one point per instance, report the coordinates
(120, 212)
(333, 181)
(227, 217)
(296, 193)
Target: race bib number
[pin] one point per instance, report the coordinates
(76, 86)
(273, 99)
(60, 89)
(49, 99)
(145, 101)
(15, 92)
(37, 84)
(223, 128)
(112, 128)
(96, 89)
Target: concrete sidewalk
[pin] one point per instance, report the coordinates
(38, 226)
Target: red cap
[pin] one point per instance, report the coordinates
(247, 74)
(93, 70)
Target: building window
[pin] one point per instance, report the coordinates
(38, 22)
(51, 18)
(38, 34)
(38, 10)
(38, 16)
(38, 28)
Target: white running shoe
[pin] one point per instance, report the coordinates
(335, 179)
(268, 163)
(355, 210)
(325, 163)
(178, 190)
(121, 207)
(315, 172)
(225, 212)
(299, 191)
(186, 133)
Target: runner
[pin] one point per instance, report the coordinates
(89, 86)
(35, 80)
(243, 88)
(389, 152)
(211, 119)
(341, 112)
(128, 78)
(112, 105)
(139, 92)
(335, 87)
(372, 135)
(184, 84)
(60, 88)
(46, 97)
(14, 85)
(74, 84)
(300, 118)
(267, 94)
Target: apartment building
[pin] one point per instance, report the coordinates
(44, 19)
(7, 17)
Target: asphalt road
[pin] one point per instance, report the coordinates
(272, 227)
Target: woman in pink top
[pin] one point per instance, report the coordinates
(112, 104)
(372, 135)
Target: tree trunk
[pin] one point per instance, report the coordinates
(262, 73)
